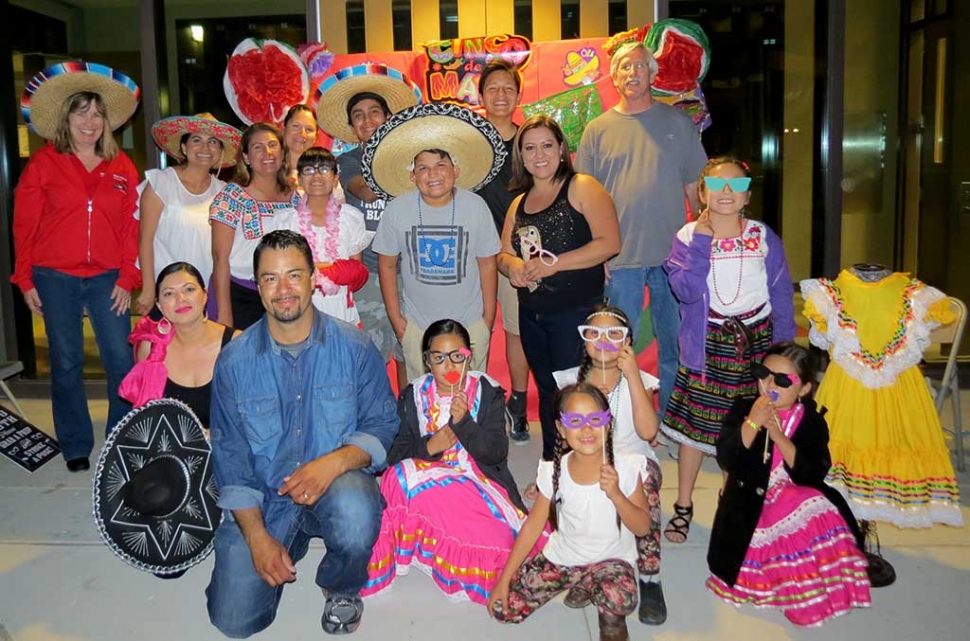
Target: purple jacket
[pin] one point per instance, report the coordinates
(687, 267)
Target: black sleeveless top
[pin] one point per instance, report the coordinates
(560, 228)
(197, 398)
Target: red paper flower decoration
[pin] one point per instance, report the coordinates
(264, 79)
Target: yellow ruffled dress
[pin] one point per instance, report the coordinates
(889, 456)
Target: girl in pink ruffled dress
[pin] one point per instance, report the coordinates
(782, 538)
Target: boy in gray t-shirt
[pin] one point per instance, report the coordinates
(448, 242)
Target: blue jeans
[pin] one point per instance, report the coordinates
(625, 290)
(63, 300)
(551, 342)
(347, 517)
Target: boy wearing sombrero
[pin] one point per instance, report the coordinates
(351, 105)
(444, 233)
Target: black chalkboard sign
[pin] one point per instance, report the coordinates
(23, 443)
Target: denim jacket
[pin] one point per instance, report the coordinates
(272, 413)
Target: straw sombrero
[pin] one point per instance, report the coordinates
(330, 101)
(169, 131)
(46, 92)
(471, 140)
(155, 498)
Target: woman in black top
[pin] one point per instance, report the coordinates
(557, 237)
(176, 356)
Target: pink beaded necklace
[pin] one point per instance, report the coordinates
(331, 232)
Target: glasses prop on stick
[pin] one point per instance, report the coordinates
(774, 399)
(455, 378)
(530, 244)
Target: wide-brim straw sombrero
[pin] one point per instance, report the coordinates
(155, 497)
(46, 92)
(168, 133)
(474, 143)
(330, 100)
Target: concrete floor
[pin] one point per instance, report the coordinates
(58, 582)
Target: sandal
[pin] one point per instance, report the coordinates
(679, 524)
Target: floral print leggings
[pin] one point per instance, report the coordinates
(611, 584)
(648, 547)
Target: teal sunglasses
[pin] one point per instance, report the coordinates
(737, 185)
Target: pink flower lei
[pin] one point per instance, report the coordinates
(331, 232)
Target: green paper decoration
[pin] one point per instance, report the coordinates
(572, 109)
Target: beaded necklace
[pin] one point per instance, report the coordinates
(737, 291)
(423, 238)
(331, 233)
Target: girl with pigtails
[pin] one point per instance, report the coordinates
(610, 364)
(594, 503)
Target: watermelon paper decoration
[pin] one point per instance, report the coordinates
(683, 54)
(573, 109)
(264, 78)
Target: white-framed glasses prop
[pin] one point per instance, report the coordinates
(592, 333)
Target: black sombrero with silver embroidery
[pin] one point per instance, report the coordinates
(472, 141)
(154, 492)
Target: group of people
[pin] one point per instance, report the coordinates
(418, 236)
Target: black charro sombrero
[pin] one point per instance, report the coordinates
(473, 142)
(154, 492)
(330, 100)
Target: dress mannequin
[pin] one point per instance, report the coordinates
(870, 272)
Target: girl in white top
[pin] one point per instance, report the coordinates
(595, 505)
(336, 233)
(610, 365)
(173, 206)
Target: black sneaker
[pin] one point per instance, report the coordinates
(341, 615)
(653, 608)
(518, 427)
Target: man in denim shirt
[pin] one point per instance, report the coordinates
(302, 416)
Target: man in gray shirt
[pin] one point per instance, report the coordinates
(648, 156)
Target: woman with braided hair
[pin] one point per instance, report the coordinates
(595, 504)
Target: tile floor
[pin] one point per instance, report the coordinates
(58, 582)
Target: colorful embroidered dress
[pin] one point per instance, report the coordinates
(803, 557)
(888, 453)
(444, 516)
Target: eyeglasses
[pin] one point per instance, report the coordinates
(575, 421)
(456, 356)
(323, 170)
(737, 185)
(631, 66)
(761, 372)
(295, 277)
(592, 333)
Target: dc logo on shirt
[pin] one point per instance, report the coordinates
(437, 254)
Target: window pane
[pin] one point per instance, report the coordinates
(402, 25)
(569, 19)
(617, 16)
(449, 19)
(523, 18)
(356, 38)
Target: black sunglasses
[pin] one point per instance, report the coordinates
(761, 372)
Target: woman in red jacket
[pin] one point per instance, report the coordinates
(75, 236)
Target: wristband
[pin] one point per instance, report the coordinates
(752, 424)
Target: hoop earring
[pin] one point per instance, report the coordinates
(166, 328)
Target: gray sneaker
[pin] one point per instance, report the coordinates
(518, 428)
(341, 614)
